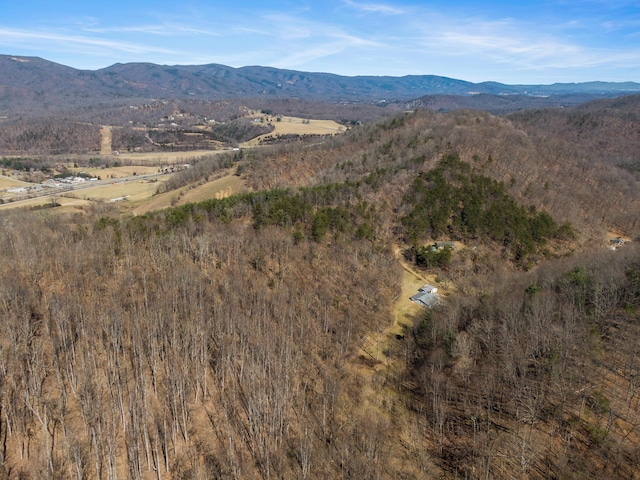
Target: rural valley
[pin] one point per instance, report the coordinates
(200, 286)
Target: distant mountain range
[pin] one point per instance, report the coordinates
(28, 83)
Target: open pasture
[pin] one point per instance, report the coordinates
(165, 158)
(296, 126)
(219, 188)
(8, 182)
(117, 172)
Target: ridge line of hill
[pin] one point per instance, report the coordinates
(36, 80)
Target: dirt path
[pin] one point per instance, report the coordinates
(404, 312)
(380, 357)
(105, 141)
(412, 279)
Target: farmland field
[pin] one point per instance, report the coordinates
(118, 172)
(165, 158)
(219, 188)
(139, 195)
(298, 126)
(7, 182)
(136, 191)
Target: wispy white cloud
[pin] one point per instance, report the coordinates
(19, 37)
(145, 29)
(350, 41)
(520, 46)
(289, 27)
(354, 37)
(305, 56)
(252, 31)
(374, 8)
(156, 29)
(298, 41)
(336, 43)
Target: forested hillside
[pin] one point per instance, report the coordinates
(32, 85)
(548, 161)
(249, 336)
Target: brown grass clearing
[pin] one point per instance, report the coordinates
(140, 190)
(405, 311)
(164, 158)
(8, 182)
(105, 140)
(219, 188)
(296, 126)
(117, 172)
(67, 204)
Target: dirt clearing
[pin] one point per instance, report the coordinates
(105, 140)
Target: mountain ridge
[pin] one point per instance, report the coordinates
(32, 81)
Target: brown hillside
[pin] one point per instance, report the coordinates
(269, 335)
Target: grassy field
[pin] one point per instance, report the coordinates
(140, 191)
(219, 188)
(66, 204)
(7, 182)
(140, 195)
(405, 311)
(137, 191)
(117, 172)
(105, 140)
(166, 158)
(298, 126)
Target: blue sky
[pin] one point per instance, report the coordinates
(528, 42)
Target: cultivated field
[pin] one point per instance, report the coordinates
(134, 191)
(66, 204)
(138, 196)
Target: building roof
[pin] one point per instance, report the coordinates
(426, 299)
(426, 288)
